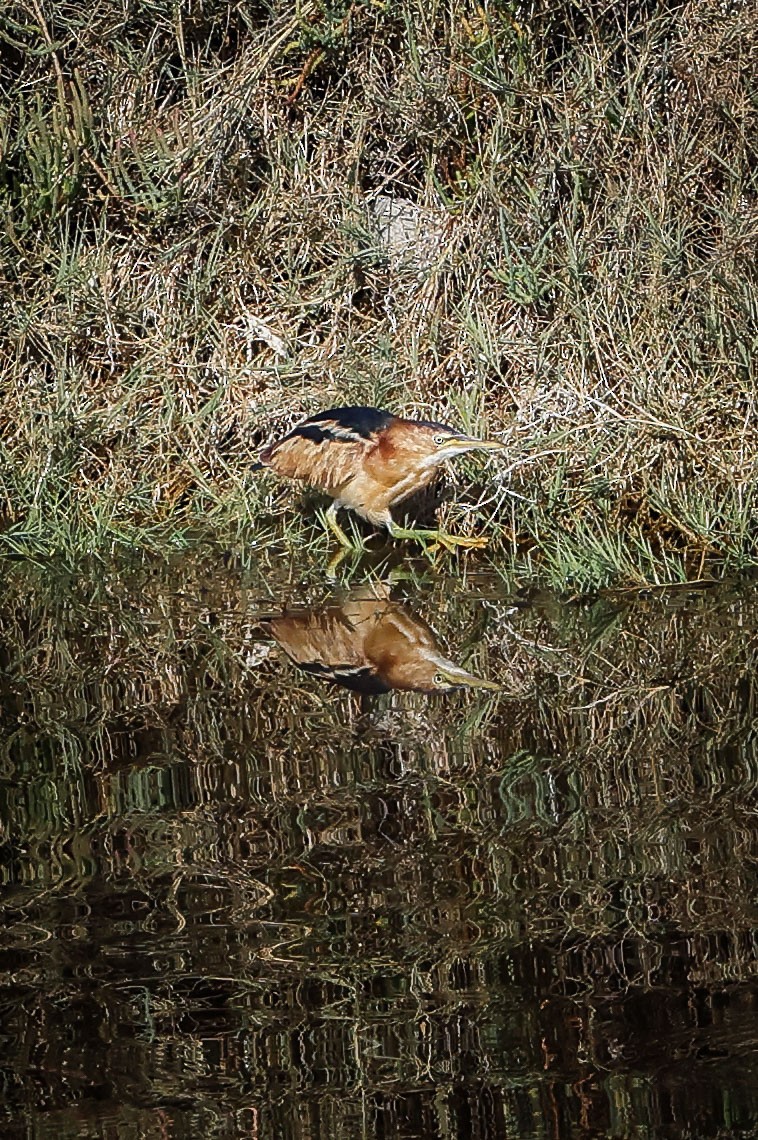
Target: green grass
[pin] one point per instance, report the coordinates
(192, 260)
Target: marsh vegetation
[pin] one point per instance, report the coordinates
(238, 898)
(533, 220)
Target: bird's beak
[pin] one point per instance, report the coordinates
(471, 443)
(462, 679)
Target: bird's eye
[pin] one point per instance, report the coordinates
(440, 679)
(440, 439)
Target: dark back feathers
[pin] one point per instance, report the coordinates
(363, 422)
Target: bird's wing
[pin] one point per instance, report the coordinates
(325, 453)
(324, 636)
(327, 644)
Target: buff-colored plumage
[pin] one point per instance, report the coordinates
(368, 469)
(370, 644)
(329, 469)
(368, 460)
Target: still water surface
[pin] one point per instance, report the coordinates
(266, 874)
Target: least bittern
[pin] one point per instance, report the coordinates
(369, 644)
(369, 460)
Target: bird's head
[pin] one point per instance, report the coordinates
(434, 443)
(429, 672)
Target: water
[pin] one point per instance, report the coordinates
(241, 900)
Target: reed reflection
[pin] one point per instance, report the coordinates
(370, 644)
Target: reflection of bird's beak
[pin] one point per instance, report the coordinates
(462, 679)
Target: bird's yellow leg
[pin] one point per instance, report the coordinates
(330, 520)
(437, 537)
(335, 561)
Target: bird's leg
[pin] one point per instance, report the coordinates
(330, 519)
(437, 537)
(336, 561)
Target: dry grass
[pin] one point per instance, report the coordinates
(199, 247)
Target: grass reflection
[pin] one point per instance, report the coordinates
(227, 884)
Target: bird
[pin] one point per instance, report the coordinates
(369, 644)
(368, 460)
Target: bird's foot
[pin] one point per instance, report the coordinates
(451, 541)
(432, 540)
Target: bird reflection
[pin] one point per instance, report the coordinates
(370, 644)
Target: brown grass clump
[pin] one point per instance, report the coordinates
(522, 217)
